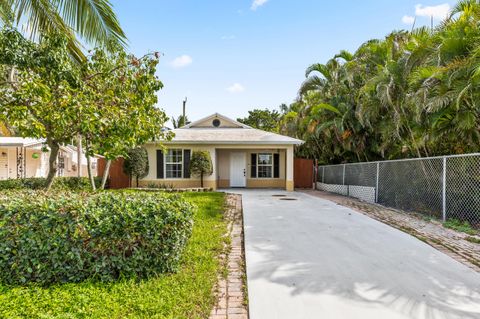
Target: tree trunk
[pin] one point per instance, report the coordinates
(137, 180)
(52, 163)
(89, 166)
(106, 172)
(79, 155)
(11, 75)
(201, 179)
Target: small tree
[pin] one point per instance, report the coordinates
(119, 102)
(201, 164)
(136, 164)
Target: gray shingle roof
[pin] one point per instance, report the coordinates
(230, 136)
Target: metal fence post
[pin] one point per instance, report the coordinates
(376, 182)
(444, 190)
(343, 174)
(323, 174)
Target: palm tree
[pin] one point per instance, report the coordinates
(92, 20)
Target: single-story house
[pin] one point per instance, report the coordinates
(28, 157)
(242, 156)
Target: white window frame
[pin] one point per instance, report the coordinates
(265, 165)
(173, 163)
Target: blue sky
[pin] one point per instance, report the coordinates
(231, 56)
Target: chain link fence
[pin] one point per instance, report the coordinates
(443, 187)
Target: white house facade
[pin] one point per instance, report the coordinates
(241, 156)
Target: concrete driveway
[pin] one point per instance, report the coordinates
(310, 258)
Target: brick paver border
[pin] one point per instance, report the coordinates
(231, 289)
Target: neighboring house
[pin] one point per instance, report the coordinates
(28, 157)
(241, 156)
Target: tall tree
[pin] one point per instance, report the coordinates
(41, 100)
(110, 100)
(411, 94)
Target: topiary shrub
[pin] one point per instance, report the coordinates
(201, 164)
(65, 237)
(59, 183)
(136, 164)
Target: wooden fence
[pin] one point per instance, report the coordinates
(303, 173)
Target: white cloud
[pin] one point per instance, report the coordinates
(228, 37)
(257, 3)
(182, 61)
(408, 19)
(439, 12)
(236, 88)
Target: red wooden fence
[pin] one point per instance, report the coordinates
(303, 173)
(117, 178)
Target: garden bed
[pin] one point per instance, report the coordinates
(186, 293)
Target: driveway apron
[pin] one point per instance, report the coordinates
(311, 258)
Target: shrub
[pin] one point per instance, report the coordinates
(68, 237)
(60, 183)
(201, 164)
(136, 164)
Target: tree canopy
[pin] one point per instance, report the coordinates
(266, 120)
(412, 94)
(109, 99)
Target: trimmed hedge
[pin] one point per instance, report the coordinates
(60, 183)
(70, 237)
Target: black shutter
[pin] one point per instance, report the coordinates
(276, 165)
(159, 164)
(186, 163)
(253, 166)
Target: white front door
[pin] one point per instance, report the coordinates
(3, 163)
(238, 169)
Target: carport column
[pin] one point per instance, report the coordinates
(289, 186)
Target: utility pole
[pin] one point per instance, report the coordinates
(184, 103)
(183, 113)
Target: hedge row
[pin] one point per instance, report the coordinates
(69, 237)
(60, 183)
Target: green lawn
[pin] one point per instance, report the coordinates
(186, 294)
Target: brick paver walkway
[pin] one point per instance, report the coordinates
(231, 292)
(449, 241)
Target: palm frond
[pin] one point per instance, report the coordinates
(92, 20)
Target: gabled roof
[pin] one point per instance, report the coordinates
(205, 122)
(228, 132)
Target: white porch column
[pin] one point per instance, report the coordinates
(289, 186)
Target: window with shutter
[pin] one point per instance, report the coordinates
(253, 165)
(186, 163)
(174, 163)
(276, 165)
(264, 165)
(160, 173)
